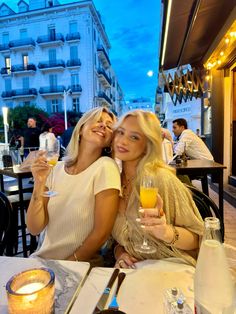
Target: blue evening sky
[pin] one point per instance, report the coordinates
(133, 29)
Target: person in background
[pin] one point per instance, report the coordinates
(79, 220)
(175, 230)
(189, 142)
(46, 138)
(66, 136)
(167, 145)
(198, 132)
(30, 138)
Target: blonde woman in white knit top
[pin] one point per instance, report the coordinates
(175, 232)
(80, 218)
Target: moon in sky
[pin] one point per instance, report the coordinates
(150, 73)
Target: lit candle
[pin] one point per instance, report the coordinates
(31, 291)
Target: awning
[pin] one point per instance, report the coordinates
(193, 26)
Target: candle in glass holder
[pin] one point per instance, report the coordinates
(31, 292)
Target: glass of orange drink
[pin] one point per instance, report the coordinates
(148, 199)
(52, 154)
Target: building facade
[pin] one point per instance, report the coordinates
(138, 103)
(54, 55)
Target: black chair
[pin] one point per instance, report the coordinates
(206, 206)
(8, 232)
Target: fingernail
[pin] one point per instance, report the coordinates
(132, 266)
(138, 219)
(141, 210)
(142, 226)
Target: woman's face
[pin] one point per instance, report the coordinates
(98, 132)
(130, 142)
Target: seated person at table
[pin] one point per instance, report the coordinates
(78, 220)
(175, 232)
(189, 142)
(167, 145)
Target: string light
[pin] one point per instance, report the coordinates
(223, 50)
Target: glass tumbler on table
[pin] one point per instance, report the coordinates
(148, 199)
(52, 155)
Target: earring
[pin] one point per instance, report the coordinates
(107, 150)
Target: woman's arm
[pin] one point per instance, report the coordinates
(179, 237)
(37, 214)
(106, 206)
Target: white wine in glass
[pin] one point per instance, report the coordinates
(52, 154)
(148, 199)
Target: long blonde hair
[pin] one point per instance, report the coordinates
(152, 159)
(72, 149)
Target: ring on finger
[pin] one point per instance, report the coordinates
(121, 262)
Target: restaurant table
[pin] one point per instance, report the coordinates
(69, 276)
(142, 290)
(19, 176)
(202, 168)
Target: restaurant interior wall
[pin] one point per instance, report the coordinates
(233, 144)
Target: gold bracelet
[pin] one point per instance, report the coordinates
(75, 256)
(175, 236)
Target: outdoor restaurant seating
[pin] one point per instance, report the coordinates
(6, 226)
(206, 206)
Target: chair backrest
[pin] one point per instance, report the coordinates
(206, 206)
(6, 216)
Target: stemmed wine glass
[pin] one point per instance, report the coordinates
(52, 155)
(148, 199)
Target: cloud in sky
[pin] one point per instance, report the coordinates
(133, 30)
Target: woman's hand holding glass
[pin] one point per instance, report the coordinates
(153, 220)
(40, 168)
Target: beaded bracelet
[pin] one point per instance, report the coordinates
(75, 256)
(175, 236)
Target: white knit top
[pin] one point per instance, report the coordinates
(71, 212)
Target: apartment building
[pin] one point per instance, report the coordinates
(54, 55)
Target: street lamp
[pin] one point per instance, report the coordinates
(66, 93)
(5, 113)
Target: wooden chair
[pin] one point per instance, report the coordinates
(206, 206)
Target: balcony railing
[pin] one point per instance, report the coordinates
(73, 36)
(103, 56)
(51, 64)
(75, 88)
(6, 71)
(47, 39)
(19, 43)
(104, 96)
(73, 63)
(23, 68)
(7, 94)
(24, 92)
(52, 89)
(4, 47)
(102, 74)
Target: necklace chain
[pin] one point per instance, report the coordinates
(126, 188)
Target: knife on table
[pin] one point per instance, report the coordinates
(103, 299)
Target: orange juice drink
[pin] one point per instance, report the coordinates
(148, 197)
(52, 162)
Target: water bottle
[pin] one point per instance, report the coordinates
(213, 284)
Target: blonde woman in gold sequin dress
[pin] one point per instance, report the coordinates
(176, 229)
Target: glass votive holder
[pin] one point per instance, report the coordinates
(31, 292)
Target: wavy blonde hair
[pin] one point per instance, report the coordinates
(72, 149)
(152, 159)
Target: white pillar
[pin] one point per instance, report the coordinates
(5, 113)
(65, 108)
